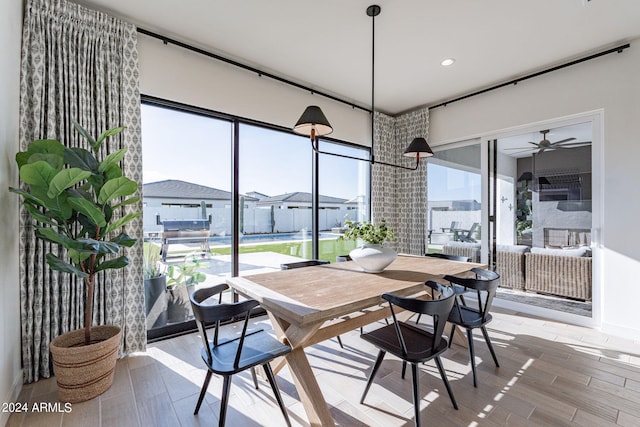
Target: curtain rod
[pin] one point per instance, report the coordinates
(259, 72)
(618, 49)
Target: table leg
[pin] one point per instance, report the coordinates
(310, 395)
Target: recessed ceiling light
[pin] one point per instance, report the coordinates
(448, 61)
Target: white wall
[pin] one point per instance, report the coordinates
(610, 84)
(10, 372)
(174, 73)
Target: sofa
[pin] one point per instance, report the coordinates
(470, 250)
(563, 272)
(510, 265)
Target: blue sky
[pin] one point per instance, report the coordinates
(188, 147)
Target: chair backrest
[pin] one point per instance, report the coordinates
(207, 313)
(449, 257)
(485, 284)
(438, 308)
(300, 264)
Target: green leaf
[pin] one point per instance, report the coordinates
(128, 201)
(108, 133)
(86, 135)
(40, 146)
(37, 215)
(77, 257)
(59, 265)
(120, 222)
(112, 159)
(117, 187)
(89, 210)
(28, 196)
(51, 235)
(53, 160)
(108, 248)
(66, 178)
(123, 239)
(81, 158)
(116, 263)
(39, 174)
(112, 172)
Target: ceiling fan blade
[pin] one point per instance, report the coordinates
(534, 143)
(577, 144)
(561, 141)
(528, 150)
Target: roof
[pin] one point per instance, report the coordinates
(176, 189)
(299, 197)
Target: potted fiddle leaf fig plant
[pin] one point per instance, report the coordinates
(371, 255)
(71, 194)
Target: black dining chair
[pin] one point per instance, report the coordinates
(230, 355)
(411, 343)
(459, 290)
(308, 263)
(477, 316)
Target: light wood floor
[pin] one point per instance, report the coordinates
(551, 374)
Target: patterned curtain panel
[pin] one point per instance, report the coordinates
(399, 195)
(82, 65)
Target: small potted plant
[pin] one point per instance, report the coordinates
(370, 254)
(155, 285)
(182, 280)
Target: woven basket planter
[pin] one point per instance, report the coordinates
(84, 372)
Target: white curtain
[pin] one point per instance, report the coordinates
(78, 64)
(399, 195)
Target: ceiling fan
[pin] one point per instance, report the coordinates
(545, 144)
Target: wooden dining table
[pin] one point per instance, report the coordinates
(311, 304)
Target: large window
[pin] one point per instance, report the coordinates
(188, 193)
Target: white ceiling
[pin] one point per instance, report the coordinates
(326, 44)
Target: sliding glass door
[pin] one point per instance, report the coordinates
(522, 204)
(199, 228)
(543, 249)
(454, 201)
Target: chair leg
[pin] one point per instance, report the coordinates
(443, 374)
(453, 330)
(255, 377)
(340, 341)
(488, 341)
(276, 392)
(416, 393)
(203, 391)
(472, 356)
(418, 319)
(373, 374)
(226, 387)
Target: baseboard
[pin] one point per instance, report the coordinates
(11, 396)
(621, 331)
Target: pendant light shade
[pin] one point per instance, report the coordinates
(418, 149)
(313, 119)
(313, 122)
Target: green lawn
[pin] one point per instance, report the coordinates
(329, 248)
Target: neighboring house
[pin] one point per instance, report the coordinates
(176, 193)
(257, 195)
(302, 200)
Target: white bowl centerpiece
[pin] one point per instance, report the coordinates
(370, 254)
